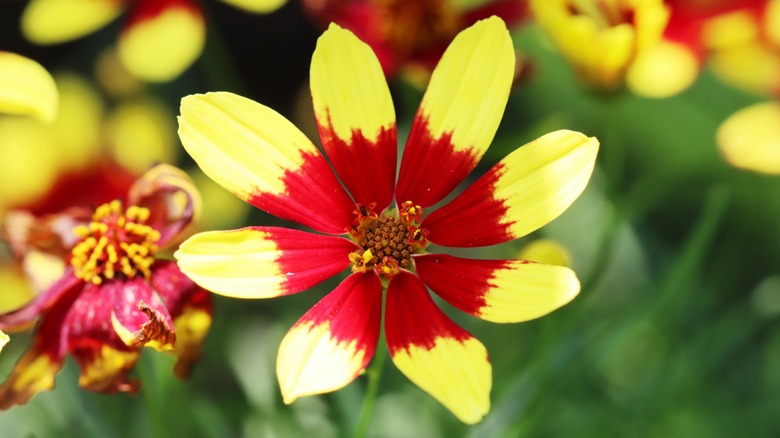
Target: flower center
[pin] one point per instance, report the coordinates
(117, 241)
(387, 242)
(411, 26)
(606, 13)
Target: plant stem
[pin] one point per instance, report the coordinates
(374, 374)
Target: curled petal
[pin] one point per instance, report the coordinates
(262, 262)
(433, 352)
(529, 188)
(57, 21)
(35, 370)
(498, 290)
(334, 341)
(355, 115)
(156, 332)
(171, 197)
(459, 113)
(262, 158)
(190, 307)
(161, 38)
(26, 88)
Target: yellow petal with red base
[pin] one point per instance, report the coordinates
(161, 38)
(433, 352)
(26, 88)
(355, 115)
(58, 21)
(334, 341)
(459, 113)
(261, 262)
(524, 191)
(262, 158)
(498, 290)
(750, 138)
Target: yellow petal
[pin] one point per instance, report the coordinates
(257, 6)
(78, 124)
(355, 115)
(261, 262)
(750, 138)
(26, 88)
(454, 372)
(663, 70)
(57, 21)
(16, 289)
(333, 342)
(348, 87)
(258, 155)
(470, 86)
(3, 340)
(161, 47)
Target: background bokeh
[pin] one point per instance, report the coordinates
(675, 332)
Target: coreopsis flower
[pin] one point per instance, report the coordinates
(602, 39)
(382, 231)
(159, 40)
(725, 33)
(408, 35)
(116, 296)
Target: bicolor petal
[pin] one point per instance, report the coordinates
(529, 188)
(355, 115)
(498, 290)
(35, 370)
(26, 88)
(171, 197)
(334, 341)
(57, 21)
(161, 38)
(459, 114)
(190, 307)
(262, 158)
(262, 262)
(433, 352)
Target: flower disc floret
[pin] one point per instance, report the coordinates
(387, 241)
(116, 241)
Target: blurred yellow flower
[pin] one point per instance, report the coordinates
(26, 88)
(750, 138)
(602, 39)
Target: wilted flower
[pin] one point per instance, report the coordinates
(116, 296)
(262, 158)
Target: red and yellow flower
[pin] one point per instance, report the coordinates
(382, 230)
(602, 38)
(159, 39)
(408, 35)
(115, 296)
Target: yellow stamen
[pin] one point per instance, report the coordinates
(116, 241)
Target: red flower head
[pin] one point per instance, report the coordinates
(115, 296)
(382, 230)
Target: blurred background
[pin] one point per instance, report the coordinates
(676, 240)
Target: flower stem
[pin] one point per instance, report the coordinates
(374, 374)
